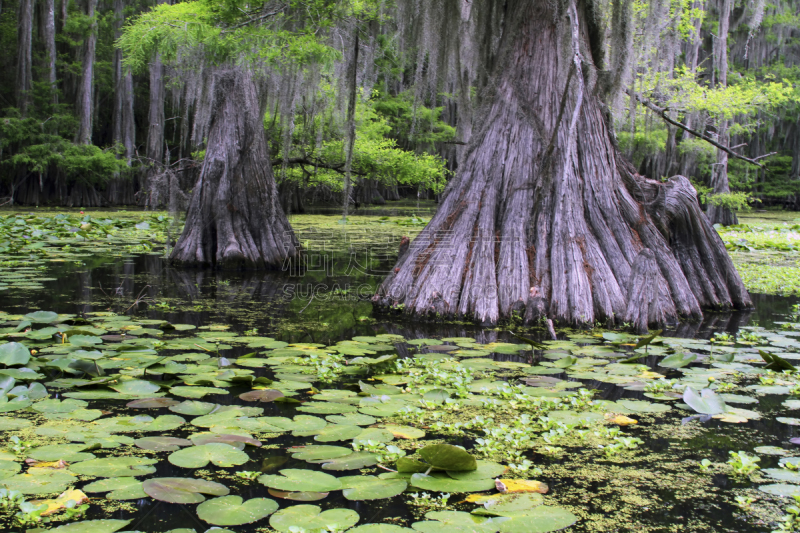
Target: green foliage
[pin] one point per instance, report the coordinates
(32, 146)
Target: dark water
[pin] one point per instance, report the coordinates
(280, 305)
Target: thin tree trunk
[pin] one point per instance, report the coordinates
(719, 175)
(545, 218)
(48, 34)
(235, 219)
(350, 136)
(24, 82)
(123, 121)
(84, 104)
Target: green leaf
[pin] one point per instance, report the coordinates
(677, 360)
(457, 522)
(319, 452)
(232, 511)
(115, 467)
(42, 317)
(311, 517)
(193, 408)
(354, 461)
(14, 354)
(360, 488)
(444, 483)
(162, 444)
(381, 528)
(135, 387)
(353, 419)
(641, 406)
(182, 490)
(541, 519)
(334, 432)
(120, 488)
(292, 479)
(93, 526)
(485, 470)
(448, 457)
(216, 453)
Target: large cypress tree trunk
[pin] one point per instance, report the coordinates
(155, 129)
(24, 84)
(235, 219)
(85, 100)
(546, 219)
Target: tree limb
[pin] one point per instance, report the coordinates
(305, 161)
(662, 112)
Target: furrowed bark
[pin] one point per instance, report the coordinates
(47, 20)
(84, 104)
(235, 219)
(546, 217)
(24, 84)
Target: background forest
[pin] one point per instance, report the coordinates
(84, 125)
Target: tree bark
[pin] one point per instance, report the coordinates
(235, 219)
(123, 132)
(719, 174)
(84, 104)
(47, 24)
(24, 84)
(545, 207)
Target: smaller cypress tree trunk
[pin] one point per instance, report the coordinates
(235, 219)
(85, 100)
(48, 33)
(719, 176)
(24, 84)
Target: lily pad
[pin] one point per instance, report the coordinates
(706, 403)
(298, 496)
(360, 488)
(458, 522)
(14, 354)
(639, 406)
(162, 444)
(233, 511)
(266, 395)
(119, 488)
(311, 518)
(93, 526)
(448, 457)
(354, 461)
(182, 490)
(216, 453)
(781, 489)
(115, 467)
(296, 480)
(319, 453)
(445, 483)
(354, 419)
(152, 403)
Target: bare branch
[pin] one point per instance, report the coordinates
(662, 112)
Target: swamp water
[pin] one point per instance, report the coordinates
(187, 399)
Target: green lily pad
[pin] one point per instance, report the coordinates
(327, 408)
(485, 470)
(152, 403)
(135, 387)
(119, 488)
(182, 490)
(360, 488)
(640, 406)
(404, 432)
(374, 435)
(216, 453)
(195, 391)
(542, 519)
(353, 419)
(509, 504)
(115, 467)
(311, 518)
(354, 461)
(319, 452)
(40, 483)
(42, 317)
(781, 474)
(444, 483)
(789, 421)
(295, 480)
(458, 522)
(335, 432)
(233, 511)
(93, 526)
(57, 452)
(448, 457)
(193, 408)
(13, 424)
(677, 360)
(162, 444)
(14, 354)
(781, 489)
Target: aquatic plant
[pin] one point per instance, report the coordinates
(743, 464)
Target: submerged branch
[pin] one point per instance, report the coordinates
(662, 112)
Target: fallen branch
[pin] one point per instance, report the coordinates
(662, 111)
